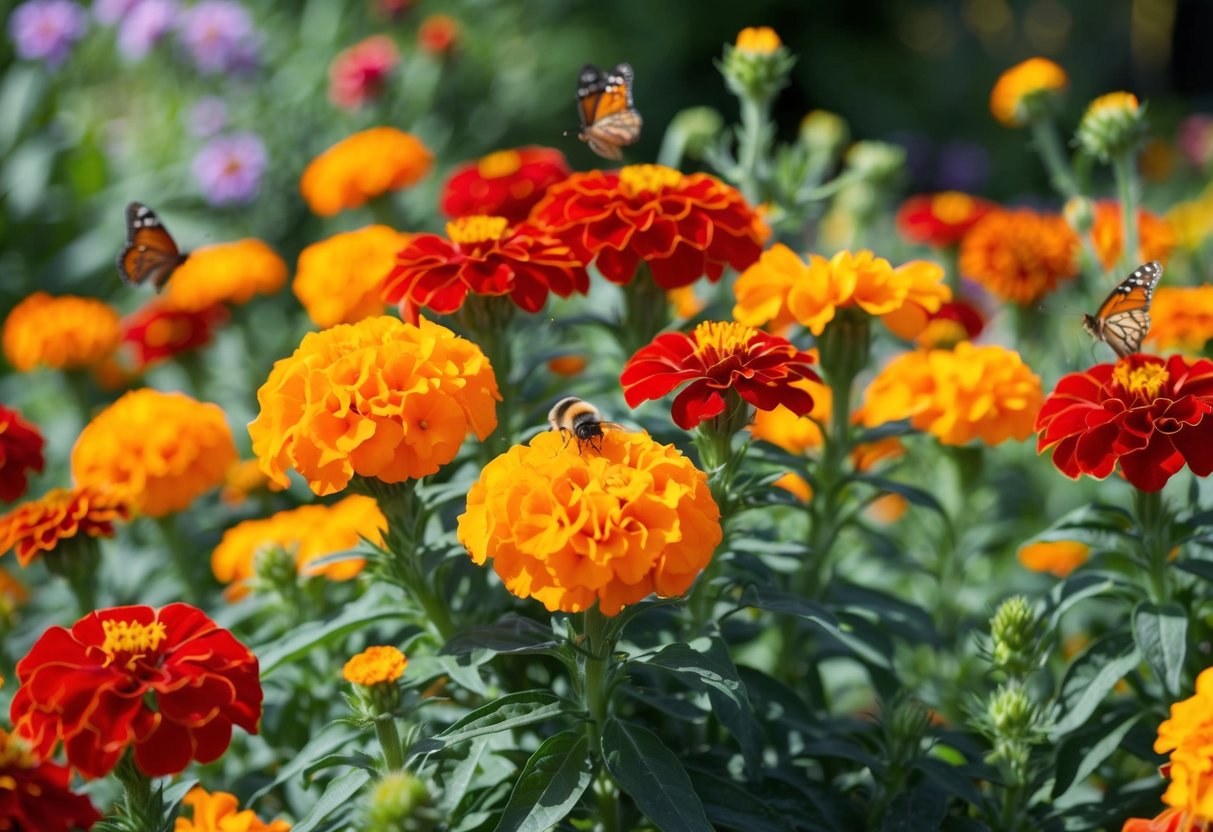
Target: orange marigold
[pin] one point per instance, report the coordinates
(362, 167)
(379, 398)
(338, 280)
(161, 450)
(959, 395)
(1169, 820)
(1057, 557)
(64, 332)
(759, 39)
(1157, 238)
(1023, 88)
(569, 528)
(224, 273)
(782, 288)
(310, 532)
(1181, 317)
(243, 478)
(794, 433)
(60, 514)
(217, 812)
(1188, 736)
(1020, 255)
(377, 665)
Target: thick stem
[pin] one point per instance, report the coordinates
(755, 114)
(1124, 169)
(1153, 521)
(1048, 144)
(142, 807)
(389, 741)
(182, 556)
(595, 689)
(646, 311)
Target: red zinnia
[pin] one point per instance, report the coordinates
(157, 332)
(170, 683)
(941, 219)
(20, 452)
(484, 256)
(684, 227)
(358, 74)
(1147, 413)
(35, 794)
(715, 358)
(507, 183)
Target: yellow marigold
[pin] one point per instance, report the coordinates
(160, 450)
(758, 39)
(569, 527)
(338, 280)
(958, 395)
(795, 434)
(1188, 735)
(243, 478)
(686, 303)
(1192, 221)
(782, 288)
(224, 273)
(1058, 557)
(1021, 255)
(1181, 318)
(309, 532)
(362, 167)
(1155, 235)
(217, 812)
(375, 666)
(64, 332)
(379, 398)
(1018, 90)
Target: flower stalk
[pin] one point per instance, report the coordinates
(1153, 518)
(596, 691)
(1124, 170)
(646, 311)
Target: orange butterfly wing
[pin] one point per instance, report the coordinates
(151, 253)
(608, 118)
(1123, 319)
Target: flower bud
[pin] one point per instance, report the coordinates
(1114, 125)
(757, 66)
(824, 133)
(400, 802)
(1027, 91)
(696, 128)
(374, 673)
(876, 162)
(1079, 213)
(274, 569)
(1014, 633)
(1011, 714)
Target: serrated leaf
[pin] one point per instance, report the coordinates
(512, 711)
(1161, 634)
(1090, 678)
(510, 634)
(337, 796)
(653, 777)
(785, 602)
(550, 785)
(1079, 754)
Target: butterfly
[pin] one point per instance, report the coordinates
(609, 121)
(150, 252)
(1123, 318)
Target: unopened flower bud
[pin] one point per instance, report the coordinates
(400, 802)
(757, 66)
(1011, 713)
(877, 162)
(1114, 124)
(1015, 636)
(823, 132)
(1079, 213)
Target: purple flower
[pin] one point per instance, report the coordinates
(147, 23)
(219, 35)
(228, 169)
(111, 11)
(207, 117)
(46, 29)
(963, 166)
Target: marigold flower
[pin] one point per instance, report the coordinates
(1143, 412)
(1020, 255)
(358, 74)
(796, 432)
(1113, 124)
(484, 256)
(338, 280)
(955, 321)
(569, 528)
(243, 478)
(309, 532)
(1186, 735)
(795, 485)
(507, 183)
(159, 450)
(438, 34)
(1169, 820)
(20, 453)
(758, 39)
(170, 683)
(683, 227)
(1181, 317)
(757, 65)
(941, 219)
(1057, 557)
(379, 398)
(1157, 238)
(362, 167)
(36, 794)
(1192, 221)
(716, 358)
(959, 395)
(63, 333)
(217, 812)
(782, 288)
(686, 303)
(225, 273)
(157, 332)
(375, 666)
(60, 514)
(1024, 88)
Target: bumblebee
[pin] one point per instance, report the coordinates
(578, 419)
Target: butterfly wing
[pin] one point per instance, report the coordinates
(150, 253)
(591, 84)
(608, 119)
(1123, 318)
(1125, 331)
(607, 136)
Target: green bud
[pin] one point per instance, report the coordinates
(823, 132)
(1015, 636)
(1011, 714)
(274, 568)
(400, 802)
(876, 162)
(697, 129)
(1079, 213)
(1113, 126)
(757, 66)
(906, 723)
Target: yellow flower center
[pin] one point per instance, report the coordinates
(760, 39)
(641, 179)
(499, 164)
(1113, 101)
(715, 339)
(477, 228)
(130, 641)
(1144, 381)
(375, 666)
(952, 207)
(14, 753)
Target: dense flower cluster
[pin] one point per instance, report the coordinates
(1181, 317)
(1024, 88)
(610, 526)
(338, 280)
(375, 666)
(362, 167)
(60, 514)
(63, 333)
(219, 812)
(507, 183)
(379, 398)
(20, 453)
(229, 273)
(1156, 238)
(1020, 255)
(35, 794)
(169, 683)
(940, 219)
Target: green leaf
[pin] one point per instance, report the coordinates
(456, 784)
(919, 810)
(734, 806)
(510, 634)
(512, 711)
(912, 494)
(337, 796)
(774, 600)
(1077, 588)
(172, 796)
(1200, 567)
(302, 640)
(649, 772)
(327, 741)
(1161, 634)
(1079, 754)
(1091, 677)
(550, 785)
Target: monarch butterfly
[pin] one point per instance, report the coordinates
(150, 252)
(609, 121)
(1123, 318)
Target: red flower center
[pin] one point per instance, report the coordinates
(1143, 382)
(500, 164)
(647, 179)
(127, 642)
(476, 228)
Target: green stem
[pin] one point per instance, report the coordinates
(1124, 169)
(1048, 144)
(646, 311)
(389, 741)
(595, 689)
(755, 114)
(181, 554)
(1153, 520)
(142, 807)
(76, 561)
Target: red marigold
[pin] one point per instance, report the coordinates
(684, 227)
(170, 683)
(158, 332)
(20, 452)
(507, 183)
(715, 358)
(60, 514)
(483, 255)
(955, 321)
(941, 219)
(35, 794)
(358, 74)
(1143, 412)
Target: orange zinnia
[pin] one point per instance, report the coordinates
(1020, 255)
(1024, 87)
(60, 514)
(63, 333)
(224, 273)
(1181, 317)
(362, 167)
(339, 280)
(1157, 238)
